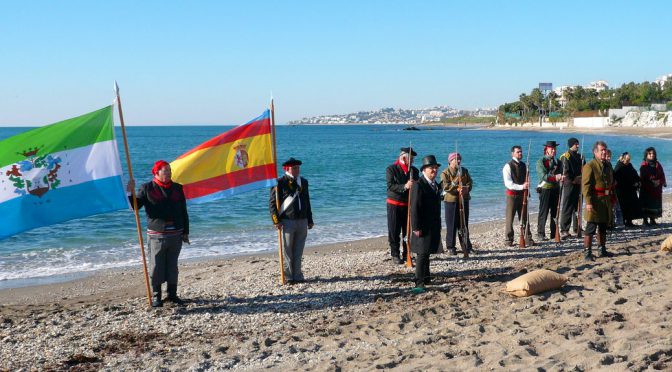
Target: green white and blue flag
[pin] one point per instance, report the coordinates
(60, 172)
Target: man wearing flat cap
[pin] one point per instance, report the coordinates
(400, 177)
(550, 175)
(571, 164)
(450, 180)
(294, 217)
(425, 220)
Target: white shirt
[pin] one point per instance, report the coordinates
(431, 182)
(508, 180)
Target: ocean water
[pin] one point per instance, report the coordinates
(345, 166)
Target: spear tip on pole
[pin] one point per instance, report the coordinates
(116, 88)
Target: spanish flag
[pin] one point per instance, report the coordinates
(236, 161)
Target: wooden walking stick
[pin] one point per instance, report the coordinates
(460, 204)
(524, 215)
(277, 199)
(579, 228)
(134, 198)
(409, 262)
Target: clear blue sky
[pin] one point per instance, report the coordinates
(217, 62)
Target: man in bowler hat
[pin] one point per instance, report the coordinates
(294, 217)
(400, 177)
(550, 176)
(425, 220)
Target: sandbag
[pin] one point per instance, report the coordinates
(666, 246)
(535, 282)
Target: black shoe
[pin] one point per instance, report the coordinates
(542, 238)
(646, 222)
(564, 236)
(452, 251)
(653, 222)
(605, 253)
(508, 243)
(588, 256)
(397, 260)
(628, 224)
(156, 299)
(427, 281)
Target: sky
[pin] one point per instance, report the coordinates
(219, 62)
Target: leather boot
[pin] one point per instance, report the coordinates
(156, 299)
(172, 294)
(602, 241)
(588, 248)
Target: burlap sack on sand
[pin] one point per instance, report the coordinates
(535, 282)
(667, 244)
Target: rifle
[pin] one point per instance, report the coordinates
(524, 215)
(579, 229)
(557, 214)
(464, 230)
(409, 263)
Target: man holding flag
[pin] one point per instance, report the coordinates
(294, 217)
(167, 227)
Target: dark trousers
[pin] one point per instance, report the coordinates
(163, 254)
(396, 224)
(514, 206)
(421, 269)
(548, 202)
(592, 227)
(570, 203)
(451, 214)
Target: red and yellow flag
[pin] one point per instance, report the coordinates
(234, 162)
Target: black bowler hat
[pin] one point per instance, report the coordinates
(429, 160)
(551, 144)
(291, 162)
(407, 150)
(572, 141)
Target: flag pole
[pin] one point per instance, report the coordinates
(277, 198)
(135, 200)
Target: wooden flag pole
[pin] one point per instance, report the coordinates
(135, 200)
(409, 262)
(277, 198)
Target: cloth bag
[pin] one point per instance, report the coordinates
(535, 282)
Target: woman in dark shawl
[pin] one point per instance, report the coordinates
(653, 180)
(627, 184)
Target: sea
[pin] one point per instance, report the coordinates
(345, 165)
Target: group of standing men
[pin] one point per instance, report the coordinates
(564, 184)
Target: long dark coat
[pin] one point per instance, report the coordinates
(651, 196)
(426, 217)
(627, 183)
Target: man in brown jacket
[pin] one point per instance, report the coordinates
(597, 179)
(451, 200)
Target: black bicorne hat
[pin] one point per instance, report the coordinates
(429, 160)
(291, 162)
(408, 149)
(551, 144)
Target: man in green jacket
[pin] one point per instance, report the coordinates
(597, 179)
(550, 176)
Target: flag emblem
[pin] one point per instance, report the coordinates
(35, 175)
(241, 158)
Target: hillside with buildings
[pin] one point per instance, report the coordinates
(595, 105)
(398, 116)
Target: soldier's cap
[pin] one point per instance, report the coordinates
(429, 160)
(572, 141)
(291, 162)
(407, 150)
(551, 144)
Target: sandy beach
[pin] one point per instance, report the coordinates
(356, 311)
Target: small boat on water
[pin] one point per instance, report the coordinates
(412, 127)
